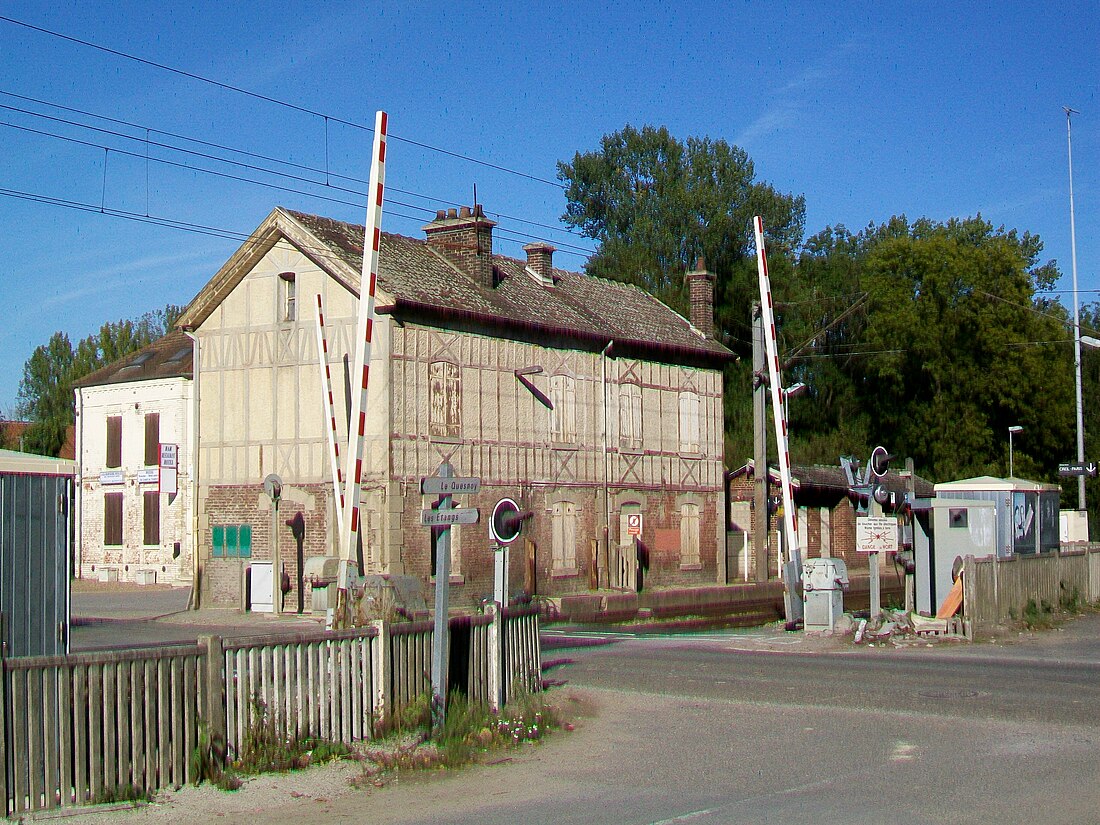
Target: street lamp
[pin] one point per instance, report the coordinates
(1076, 316)
(1013, 430)
(789, 392)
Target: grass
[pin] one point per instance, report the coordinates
(469, 730)
(405, 742)
(264, 750)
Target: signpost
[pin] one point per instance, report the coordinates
(1087, 468)
(443, 516)
(435, 485)
(169, 467)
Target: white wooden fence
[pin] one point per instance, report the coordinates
(94, 727)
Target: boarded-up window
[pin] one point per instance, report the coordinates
(151, 517)
(444, 400)
(689, 422)
(152, 439)
(563, 516)
(114, 442)
(231, 541)
(563, 416)
(689, 534)
(630, 417)
(112, 519)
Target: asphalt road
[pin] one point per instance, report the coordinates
(762, 727)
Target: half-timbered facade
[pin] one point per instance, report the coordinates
(585, 400)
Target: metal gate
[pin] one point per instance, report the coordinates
(35, 545)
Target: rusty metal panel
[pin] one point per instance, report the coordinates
(35, 558)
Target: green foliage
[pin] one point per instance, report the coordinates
(1038, 616)
(1069, 598)
(46, 390)
(657, 204)
(268, 747)
(940, 345)
(122, 793)
(469, 729)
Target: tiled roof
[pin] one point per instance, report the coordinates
(168, 357)
(828, 477)
(418, 275)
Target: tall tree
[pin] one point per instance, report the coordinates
(952, 346)
(46, 390)
(657, 204)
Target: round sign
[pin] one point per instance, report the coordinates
(506, 522)
(880, 461)
(273, 486)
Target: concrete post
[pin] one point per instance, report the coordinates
(381, 670)
(496, 658)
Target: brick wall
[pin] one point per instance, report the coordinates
(842, 525)
(248, 504)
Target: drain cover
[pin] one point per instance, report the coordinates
(948, 694)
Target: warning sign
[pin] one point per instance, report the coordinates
(634, 524)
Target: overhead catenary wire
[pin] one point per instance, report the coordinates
(275, 101)
(565, 248)
(239, 151)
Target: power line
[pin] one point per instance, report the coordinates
(244, 152)
(565, 248)
(268, 99)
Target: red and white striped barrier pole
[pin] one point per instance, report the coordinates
(775, 379)
(330, 415)
(372, 230)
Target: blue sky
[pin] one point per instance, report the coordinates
(868, 109)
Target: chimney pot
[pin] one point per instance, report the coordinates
(701, 298)
(540, 258)
(700, 264)
(440, 214)
(466, 238)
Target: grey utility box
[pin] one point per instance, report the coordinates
(823, 583)
(321, 572)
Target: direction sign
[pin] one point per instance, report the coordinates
(436, 485)
(877, 534)
(1088, 468)
(445, 518)
(634, 524)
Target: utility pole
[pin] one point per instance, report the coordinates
(1076, 317)
(760, 447)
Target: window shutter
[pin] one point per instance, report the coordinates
(151, 517)
(152, 440)
(217, 541)
(114, 441)
(112, 519)
(244, 541)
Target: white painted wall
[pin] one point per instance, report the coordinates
(171, 399)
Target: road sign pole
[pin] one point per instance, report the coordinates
(441, 635)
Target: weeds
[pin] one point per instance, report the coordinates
(469, 730)
(1069, 598)
(264, 749)
(122, 793)
(1038, 616)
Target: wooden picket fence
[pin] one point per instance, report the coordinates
(997, 590)
(97, 727)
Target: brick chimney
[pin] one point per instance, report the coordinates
(701, 295)
(540, 258)
(466, 237)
